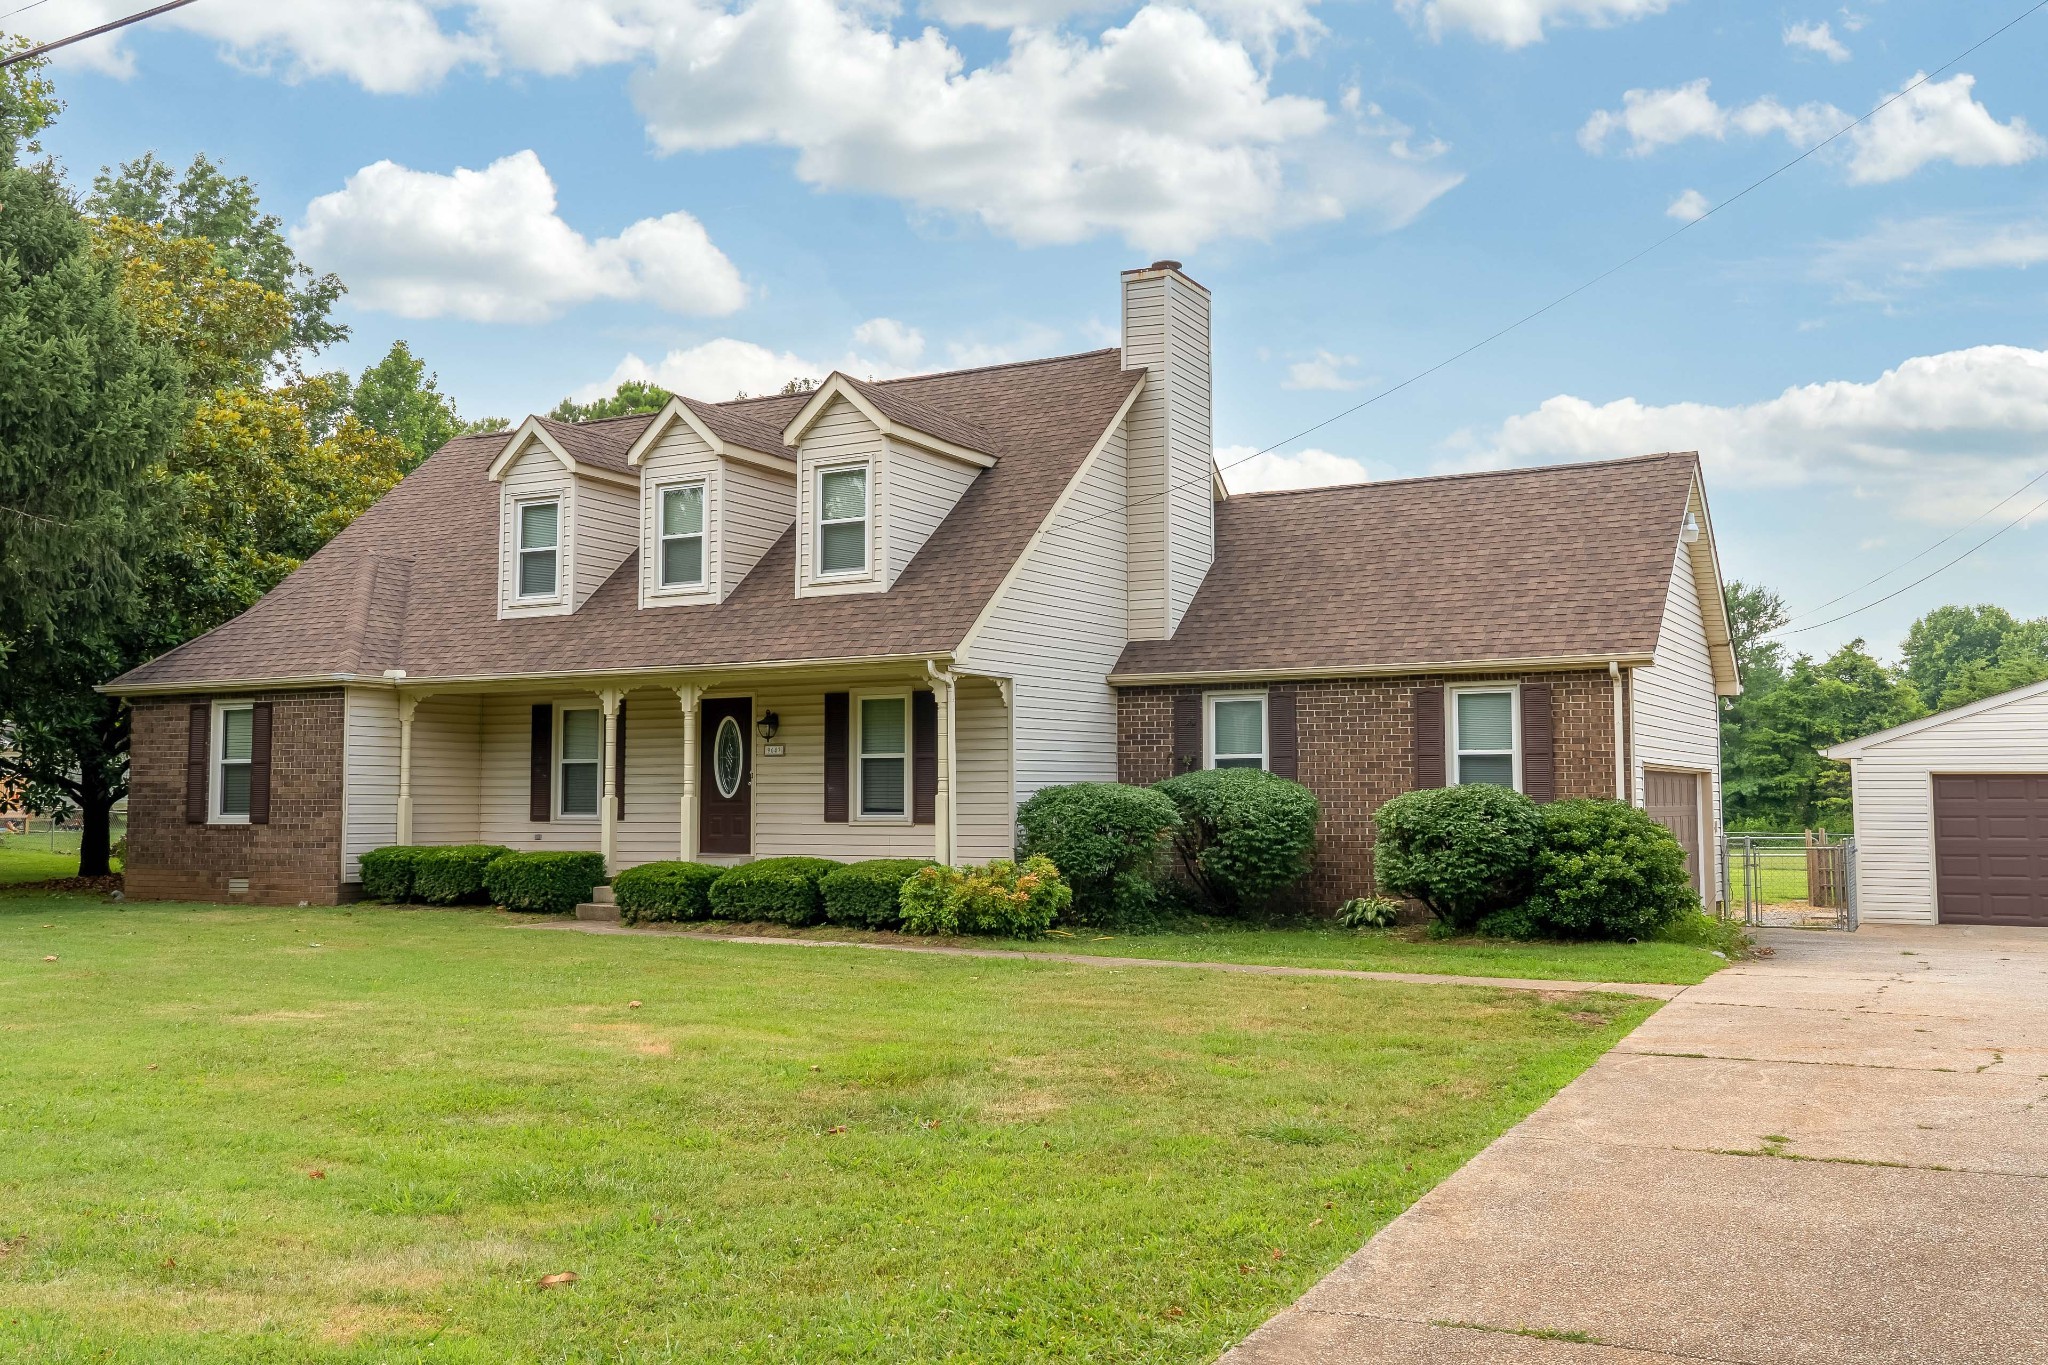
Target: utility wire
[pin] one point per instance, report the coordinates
(1604, 275)
(41, 48)
(1923, 554)
(32, 4)
(1923, 578)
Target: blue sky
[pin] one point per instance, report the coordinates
(756, 188)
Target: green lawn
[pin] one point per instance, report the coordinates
(237, 1134)
(27, 858)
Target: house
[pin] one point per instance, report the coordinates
(871, 619)
(1952, 814)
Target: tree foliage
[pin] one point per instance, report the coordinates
(28, 105)
(630, 397)
(400, 398)
(1956, 655)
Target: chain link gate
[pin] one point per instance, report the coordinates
(1790, 881)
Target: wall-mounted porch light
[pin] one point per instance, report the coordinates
(768, 725)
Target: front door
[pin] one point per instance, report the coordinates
(1673, 800)
(725, 776)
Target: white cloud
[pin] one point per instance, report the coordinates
(1931, 436)
(1903, 254)
(1310, 468)
(891, 340)
(1323, 370)
(488, 245)
(1517, 23)
(1937, 121)
(1259, 24)
(1689, 207)
(1817, 38)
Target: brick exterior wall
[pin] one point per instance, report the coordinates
(295, 857)
(1354, 738)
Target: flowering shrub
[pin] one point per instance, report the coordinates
(1001, 898)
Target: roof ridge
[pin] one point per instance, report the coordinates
(933, 374)
(1469, 474)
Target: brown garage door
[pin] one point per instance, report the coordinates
(1673, 801)
(1991, 849)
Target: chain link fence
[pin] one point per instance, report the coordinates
(1790, 881)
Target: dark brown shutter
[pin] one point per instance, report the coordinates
(198, 756)
(1282, 750)
(1429, 736)
(838, 743)
(540, 793)
(924, 758)
(259, 763)
(1187, 732)
(619, 765)
(1539, 744)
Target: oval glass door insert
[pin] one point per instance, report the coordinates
(728, 757)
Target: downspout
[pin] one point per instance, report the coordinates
(945, 836)
(1620, 757)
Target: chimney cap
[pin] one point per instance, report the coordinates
(1164, 265)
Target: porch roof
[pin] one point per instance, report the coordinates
(412, 584)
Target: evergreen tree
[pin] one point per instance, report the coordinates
(630, 397)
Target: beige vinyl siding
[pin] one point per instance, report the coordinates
(923, 488)
(1893, 787)
(652, 831)
(504, 774)
(789, 792)
(758, 506)
(369, 776)
(1191, 453)
(1057, 627)
(841, 434)
(607, 526)
(536, 473)
(679, 455)
(1172, 534)
(1677, 717)
(447, 734)
(1147, 506)
(983, 792)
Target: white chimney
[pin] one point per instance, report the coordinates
(1168, 448)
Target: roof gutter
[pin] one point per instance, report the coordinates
(1534, 663)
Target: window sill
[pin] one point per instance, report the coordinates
(227, 820)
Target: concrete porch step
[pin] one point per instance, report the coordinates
(603, 896)
(602, 905)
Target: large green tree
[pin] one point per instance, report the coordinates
(630, 397)
(400, 398)
(1958, 654)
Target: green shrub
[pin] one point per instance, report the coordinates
(869, 895)
(1607, 870)
(1369, 912)
(1245, 836)
(453, 875)
(549, 882)
(1464, 852)
(387, 872)
(1109, 842)
(781, 890)
(665, 891)
(1001, 898)
(1697, 929)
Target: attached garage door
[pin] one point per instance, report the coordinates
(1673, 801)
(1991, 849)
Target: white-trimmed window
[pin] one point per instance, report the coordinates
(234, 739)
(1236, 729)
(538, 573)
(842, 539)
(882, 746)
(681, 533)
(1485, 737)
(578, 762)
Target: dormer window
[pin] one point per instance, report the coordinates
(540, 549)
(842, 522)
(682, 535)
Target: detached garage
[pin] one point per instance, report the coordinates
(1952, 814)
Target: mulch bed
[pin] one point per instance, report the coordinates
(97, 884)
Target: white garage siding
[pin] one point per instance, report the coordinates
(1677, 716)
(1893, 787)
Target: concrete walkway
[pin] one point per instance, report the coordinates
(1839, 1154)
(1648, 990)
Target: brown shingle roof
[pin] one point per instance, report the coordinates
(1567, 561)
(899, 406)
(740, 424)
(413, 583)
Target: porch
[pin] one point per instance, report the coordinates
(856, 762)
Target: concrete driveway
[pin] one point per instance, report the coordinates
(1839, 1153)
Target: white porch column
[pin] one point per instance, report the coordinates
(688, 694)
(945, 833)
(407, 704)
(608, 801)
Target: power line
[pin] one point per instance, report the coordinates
(1924, 553)
(32, 4)
(1604, 275)
(41, 48)
(1923, 578)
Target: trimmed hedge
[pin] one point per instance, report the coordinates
(780, 890)
(551, 883)
(665, 891)
(868, 894)
(453, 875)
(387, 872)
(1245, 836)
(1108, 840)
(1465, 852)
(1602, 870)
(1001, 898)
